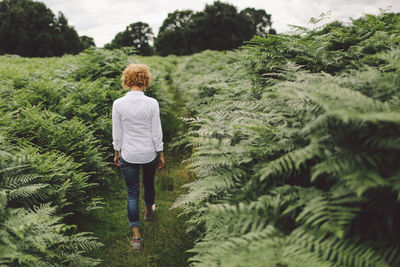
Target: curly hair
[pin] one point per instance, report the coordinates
(136, 75)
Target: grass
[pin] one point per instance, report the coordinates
(165, 240)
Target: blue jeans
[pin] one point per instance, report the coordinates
(131, 175)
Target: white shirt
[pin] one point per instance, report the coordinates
(136, 127)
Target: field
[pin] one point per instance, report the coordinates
(288, 149)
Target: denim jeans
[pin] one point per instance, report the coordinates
(131, 175)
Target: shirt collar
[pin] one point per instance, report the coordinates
(135, 93)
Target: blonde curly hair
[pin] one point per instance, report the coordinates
(136, 75)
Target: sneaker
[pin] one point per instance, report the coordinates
(148, 216)
(136, 243)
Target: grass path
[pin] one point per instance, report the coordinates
(164, 240)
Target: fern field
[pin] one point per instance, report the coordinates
(55, 153)
(295, 143)
(294, 140)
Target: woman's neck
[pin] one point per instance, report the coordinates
(136, 88)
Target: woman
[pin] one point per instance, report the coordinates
(137, 141)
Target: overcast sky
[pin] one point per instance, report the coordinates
(103, 19)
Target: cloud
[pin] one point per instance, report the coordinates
(103, 19)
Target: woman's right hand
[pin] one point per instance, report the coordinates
(116, 161)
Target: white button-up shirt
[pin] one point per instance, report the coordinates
(136, 127)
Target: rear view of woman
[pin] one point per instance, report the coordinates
(137, 141)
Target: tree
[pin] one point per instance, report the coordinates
(176, 20)
(260, 21)
(86, 42)
(137, 35)
(68, 38)
(218, 27)
(29, 28)
(173, 35)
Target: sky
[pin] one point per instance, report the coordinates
(103, 19)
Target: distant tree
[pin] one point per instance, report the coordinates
(137, 35)
(68, 39)
(173, 35)
(29, 28)
(218, 27)
(176, 20)
(260, 21)
(86, 42)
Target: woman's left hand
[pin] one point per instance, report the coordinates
(117, 157)
(161, 161)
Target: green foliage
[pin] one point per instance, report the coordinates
(51, 132)
(333, 49)
(294, 139)
(260, 21)
(218, 27)
(136, 35)
(173, 36)
(87, 42)
(29, 28)
(295, 144)
(55, 149)
(31, 233)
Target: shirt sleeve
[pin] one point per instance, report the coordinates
(116, 128)
(156, 130)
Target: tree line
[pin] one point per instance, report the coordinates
(220, 26)
(29, 28)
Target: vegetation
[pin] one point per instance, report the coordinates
(165, 241)
(30, 29)
(296, 146)
(137, 35)
(218, 27)
(56, 148)
(294, 142)
(87, 42)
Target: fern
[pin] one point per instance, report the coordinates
(346, 253)
(31, 233)
(35, 237)
(295, 145)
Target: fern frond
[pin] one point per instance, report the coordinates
(256, 249)
(343, 252)
(332, 212)
(286, 165)
(30, 191)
